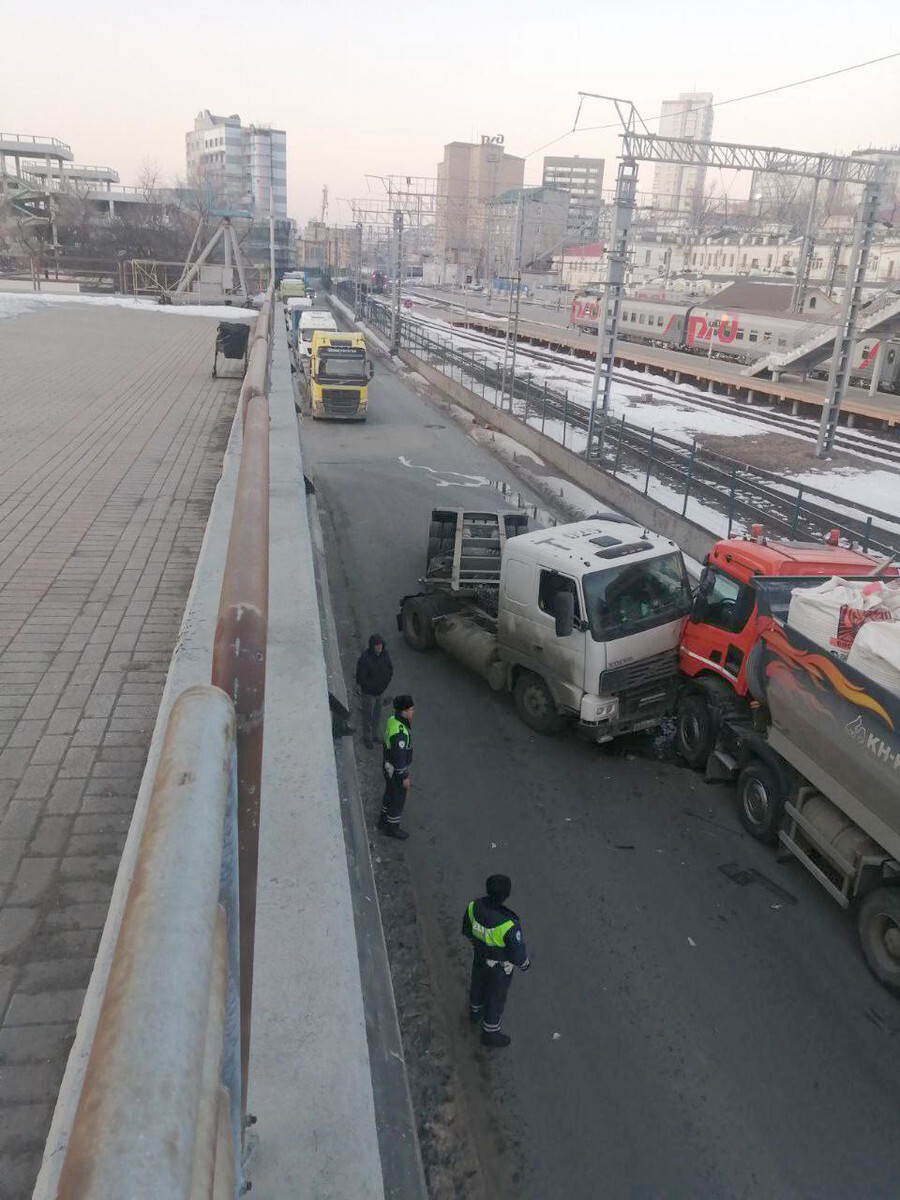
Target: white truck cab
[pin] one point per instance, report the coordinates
(310, 321)
(578, 621)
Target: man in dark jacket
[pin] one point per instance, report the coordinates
(498, 946)
(373, 674)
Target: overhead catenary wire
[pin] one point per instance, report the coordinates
(782, 87)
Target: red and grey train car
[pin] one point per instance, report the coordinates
(742, 336)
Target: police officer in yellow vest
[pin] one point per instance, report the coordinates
(396, 762)
(498, 947)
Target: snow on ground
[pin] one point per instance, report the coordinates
(632, 401)
(14, 304)
(877, 488)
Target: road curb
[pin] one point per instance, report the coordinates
(401, 1159)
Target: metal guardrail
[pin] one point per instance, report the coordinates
(155, 1115)
(162, 1104)
(35, 140)
(239, 651)
(741, 494)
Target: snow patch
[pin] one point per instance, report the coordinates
(15, 304)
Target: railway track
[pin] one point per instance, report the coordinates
(863, 445)
(740, 493)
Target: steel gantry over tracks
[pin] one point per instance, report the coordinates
(638, 146)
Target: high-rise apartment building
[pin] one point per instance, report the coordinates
(582, 178)
(471, 174)
(678, 188)
(238, 164)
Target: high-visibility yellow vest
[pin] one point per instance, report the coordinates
(491, 937)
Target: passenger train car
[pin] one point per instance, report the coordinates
(742, 336)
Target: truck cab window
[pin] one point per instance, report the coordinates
(728, 603)
(636, 596)
(550, 584)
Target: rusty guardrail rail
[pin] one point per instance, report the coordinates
(154, 1117)
(161, 1107)
(239, 651)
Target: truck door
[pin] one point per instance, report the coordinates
(718, 634)
(561, 658)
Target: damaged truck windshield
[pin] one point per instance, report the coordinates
(636, 596)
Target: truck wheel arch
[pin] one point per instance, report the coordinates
(543, 715)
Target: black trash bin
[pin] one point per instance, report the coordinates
(232, 341)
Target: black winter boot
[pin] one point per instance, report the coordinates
(495, 1041)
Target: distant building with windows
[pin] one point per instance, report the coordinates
(582, 178)
(470, 175)
(238, 164)
(678, 188)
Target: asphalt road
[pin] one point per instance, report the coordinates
(681, 1034)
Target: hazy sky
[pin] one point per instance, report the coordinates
(379, 87)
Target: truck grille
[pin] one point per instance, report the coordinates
(639, 674)
(340, 403)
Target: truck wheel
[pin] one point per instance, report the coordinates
(879, 933)
(418, 631)
(760, 801)
(695, 730)
(535, 704)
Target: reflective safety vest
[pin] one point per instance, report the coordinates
(495, 936)
(392, 728)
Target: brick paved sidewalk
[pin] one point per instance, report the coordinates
(111, 439)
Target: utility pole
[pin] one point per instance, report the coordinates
(512, 323)
(562, 272)
(271, 218)
(801, 279)
(357, 295)
(835, 265)
(839, 375)
(617, 260)
(398, 277)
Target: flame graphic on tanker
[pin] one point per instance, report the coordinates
(819, 667)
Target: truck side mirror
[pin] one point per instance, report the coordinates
(370, 369)
(564, 612)
(706, 583)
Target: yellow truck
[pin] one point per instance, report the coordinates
(339, 374)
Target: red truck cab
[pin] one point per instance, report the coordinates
(723, 626)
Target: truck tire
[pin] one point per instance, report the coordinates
(418, 631)
(879, 934)
(695, 729)
(535, 704)
(760, 801)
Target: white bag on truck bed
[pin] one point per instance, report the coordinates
(832, 613)
(876, 653)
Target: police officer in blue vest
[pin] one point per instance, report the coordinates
(396, 762)
(498, 947)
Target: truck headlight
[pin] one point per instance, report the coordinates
(595, 709)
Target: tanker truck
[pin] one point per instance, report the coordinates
(816, 760)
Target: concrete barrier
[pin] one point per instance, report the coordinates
(693, 539)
